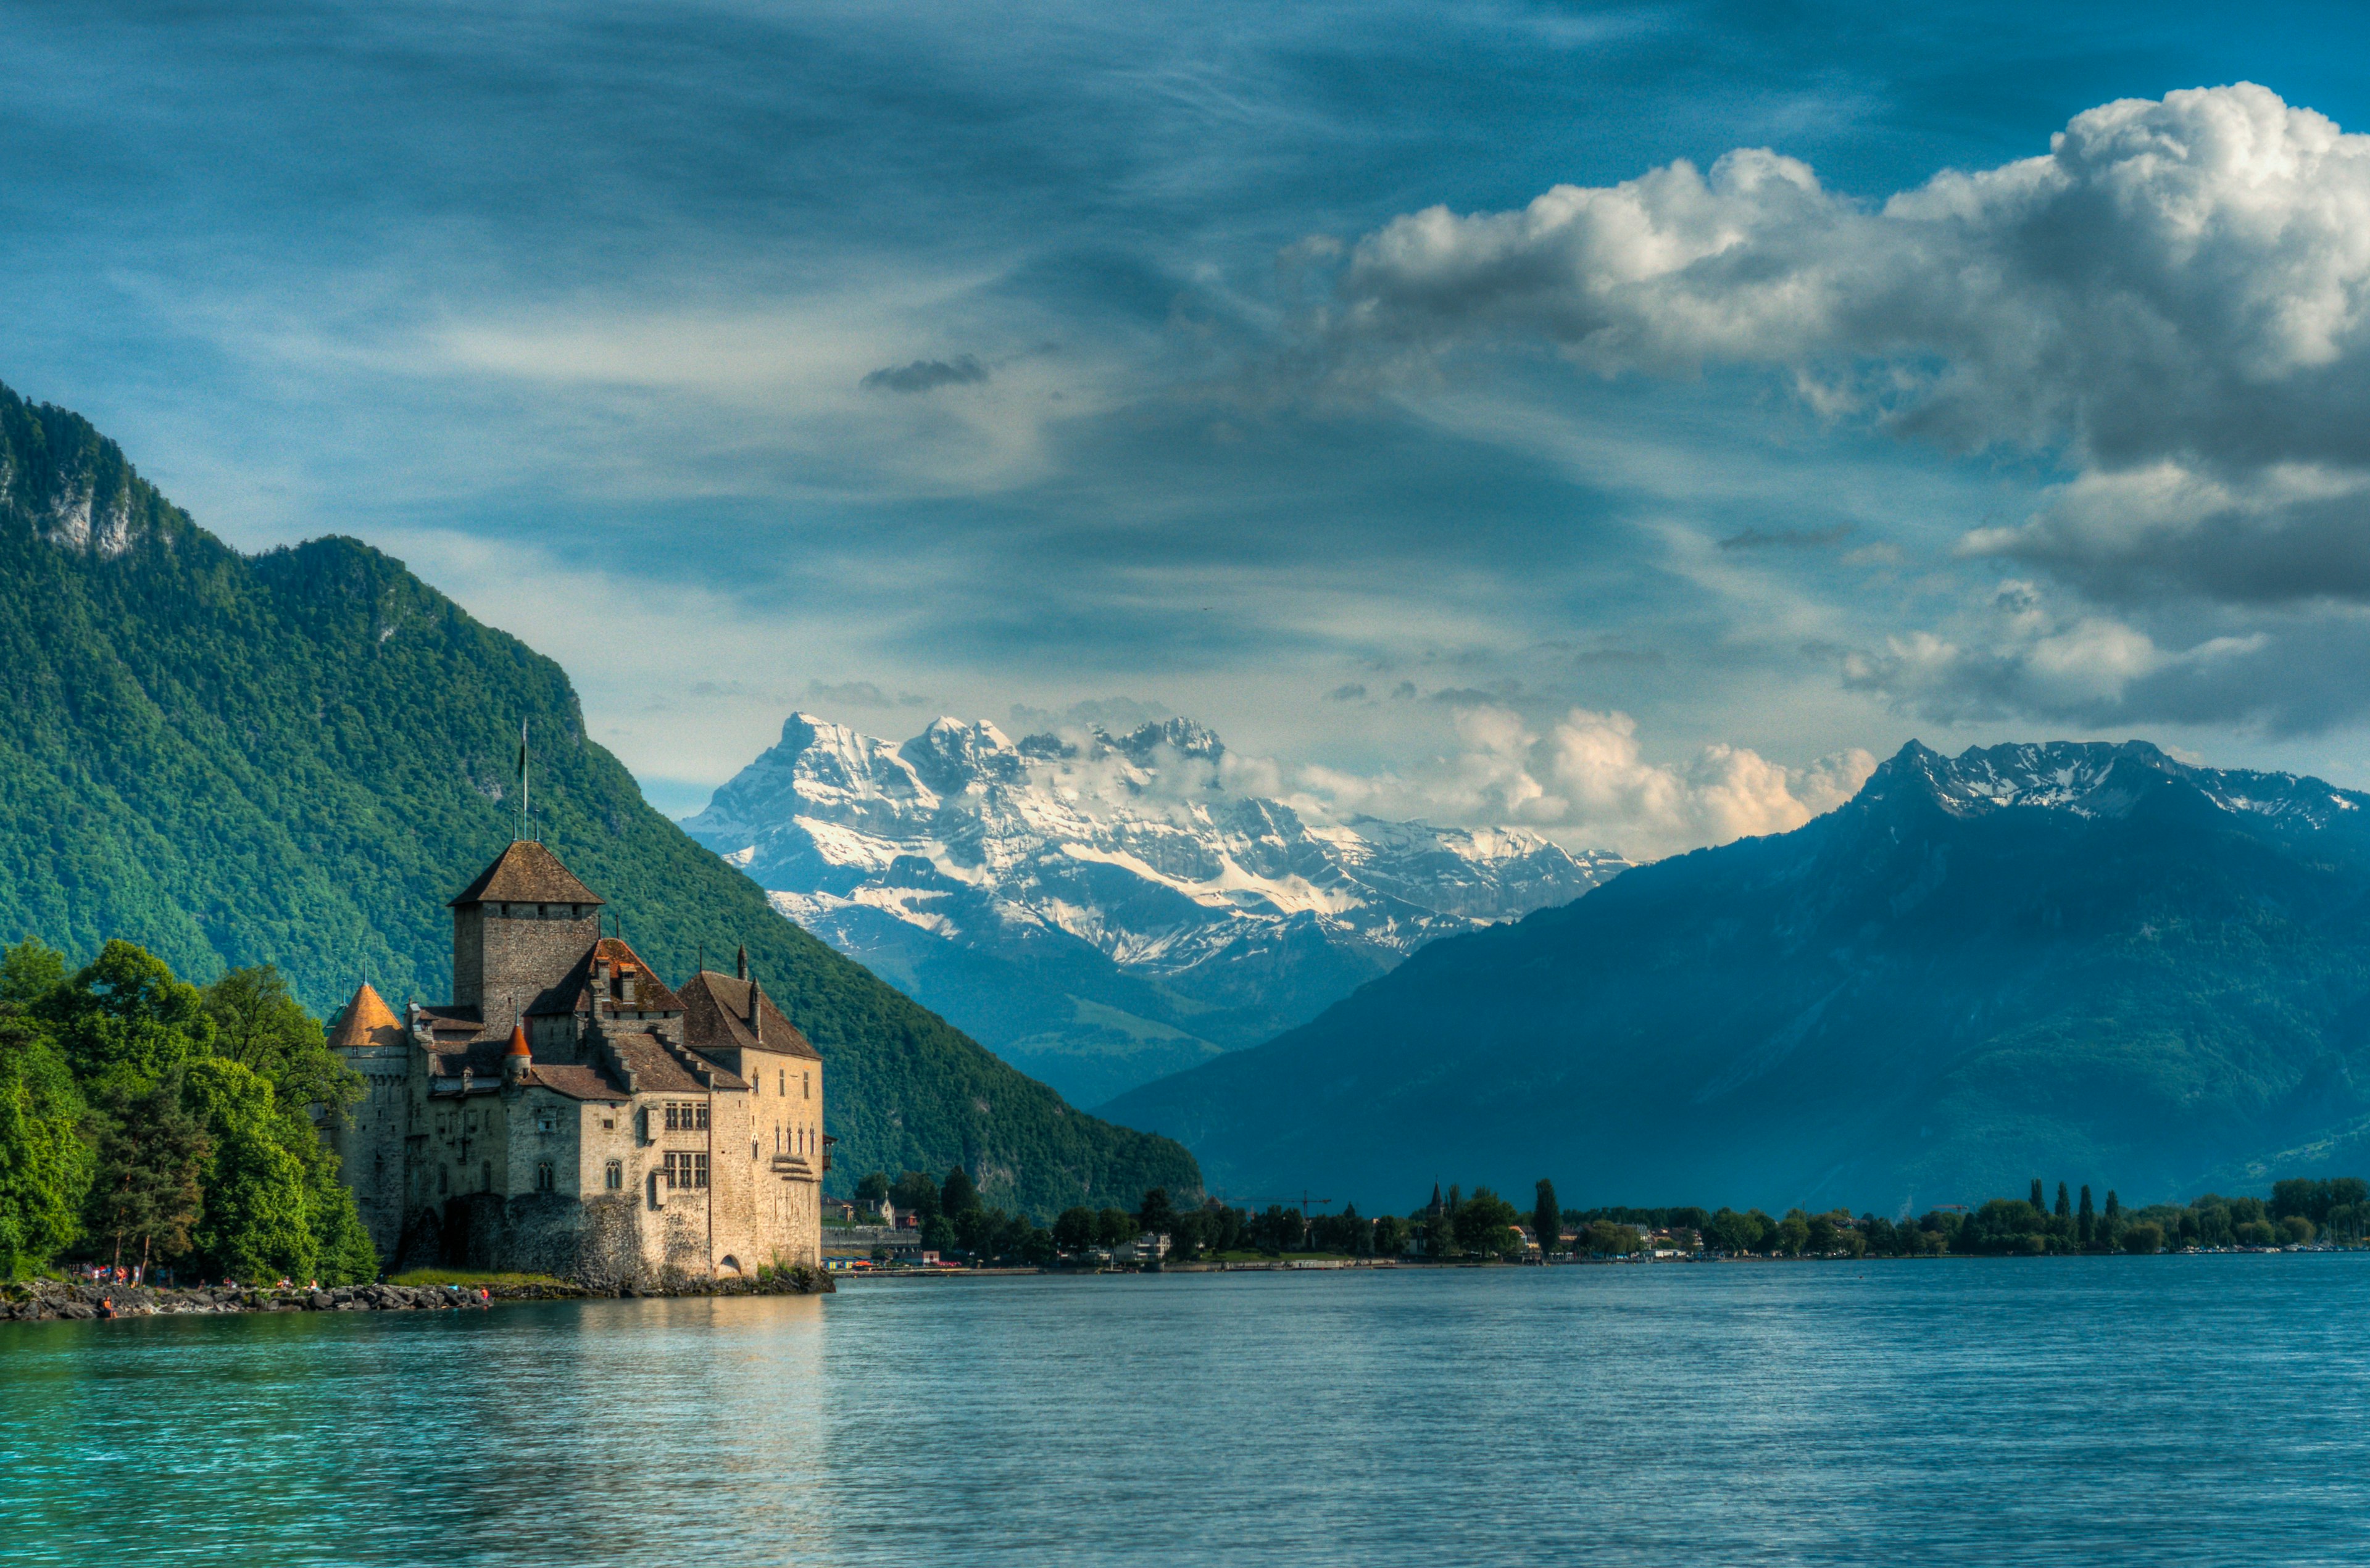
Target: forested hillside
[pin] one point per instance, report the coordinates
(296, 759)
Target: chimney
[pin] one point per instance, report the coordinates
(740, 964)
(757, 1010)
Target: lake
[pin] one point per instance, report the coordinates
(2170, 1410)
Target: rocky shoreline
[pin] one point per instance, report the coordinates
(43, 1301)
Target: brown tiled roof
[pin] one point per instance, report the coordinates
(452, 1028)
(526, 873)
(577, 1082)
(574, 991)
(716, 1017)
(658, 1072)
(367, 1021)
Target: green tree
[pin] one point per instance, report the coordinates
(1390, 1236)
(2040, 1204)
(1485, 1224)
(2064, 1203)
(2146, 1236)
(127, 1015)
(1115, 1227)
(874, 1188)
(254, 1227)
(958, 1198)
(258, 1024)
(916, 1194)
(45, 1163)
(1155, 1214)
(1729, 1231)
(1608, 1238)
(1546, 1218)
(152, 1151)
(2298, 1229)
(1074, 1229)
(29, 972)
(1821, 1236)
(977, 1229)
(1036, 1248)
(2085, 1223)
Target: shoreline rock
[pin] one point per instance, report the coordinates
(46, 1300)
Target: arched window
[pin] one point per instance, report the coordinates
(543, 1177)
(614, 1176)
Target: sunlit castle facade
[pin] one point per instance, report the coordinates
(568, 1113)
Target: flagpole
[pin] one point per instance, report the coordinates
(523, 786)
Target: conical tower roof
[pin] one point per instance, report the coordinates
(526, 872)
(367, 1021)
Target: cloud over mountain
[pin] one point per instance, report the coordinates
(2174, 301)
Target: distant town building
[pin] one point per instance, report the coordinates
(568, 1112)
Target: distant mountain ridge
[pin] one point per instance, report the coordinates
(296, 758)
(2085, 961)
(1100, 908)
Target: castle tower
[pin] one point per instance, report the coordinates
(518, 930)
(369, 1038)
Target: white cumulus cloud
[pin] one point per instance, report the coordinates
(1586, 778)
(2175, 299)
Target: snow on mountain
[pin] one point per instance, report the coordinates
(1102, 908)
(2101, 780)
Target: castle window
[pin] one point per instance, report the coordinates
(781, 1083)
(806, 1083)
(543, 1177)
(613, 1175)
(608, 1124)
(686, 1171)
(699, 1169)
(547, 1121)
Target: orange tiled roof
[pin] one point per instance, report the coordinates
(367, 1021)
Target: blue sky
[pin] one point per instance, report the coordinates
(890, 362)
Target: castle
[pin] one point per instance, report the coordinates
(568, 1113)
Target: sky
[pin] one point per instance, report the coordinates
(1626, 421)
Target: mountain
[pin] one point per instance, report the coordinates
(1101, 909)
(2080, 962)
(298, 757)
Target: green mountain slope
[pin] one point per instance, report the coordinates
(297, 758)
(2082, 962)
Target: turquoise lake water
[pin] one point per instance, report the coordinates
(2170, 1410)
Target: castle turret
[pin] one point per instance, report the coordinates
(518, 1060)
(519, 928)
(368, 1139)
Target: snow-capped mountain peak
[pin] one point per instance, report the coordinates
(2099, 779)
(1204, 912)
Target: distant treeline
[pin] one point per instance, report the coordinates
(2299, 1210)
(143, 1120)
(1484, 1226)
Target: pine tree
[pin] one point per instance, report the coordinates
(2065, 1206)
(958, 1198)
(2040, 1203)
(2087, 1222)
(1546, 1218)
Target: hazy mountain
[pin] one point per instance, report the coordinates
(1100, 908)
(298, 757)
(2079, 962)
